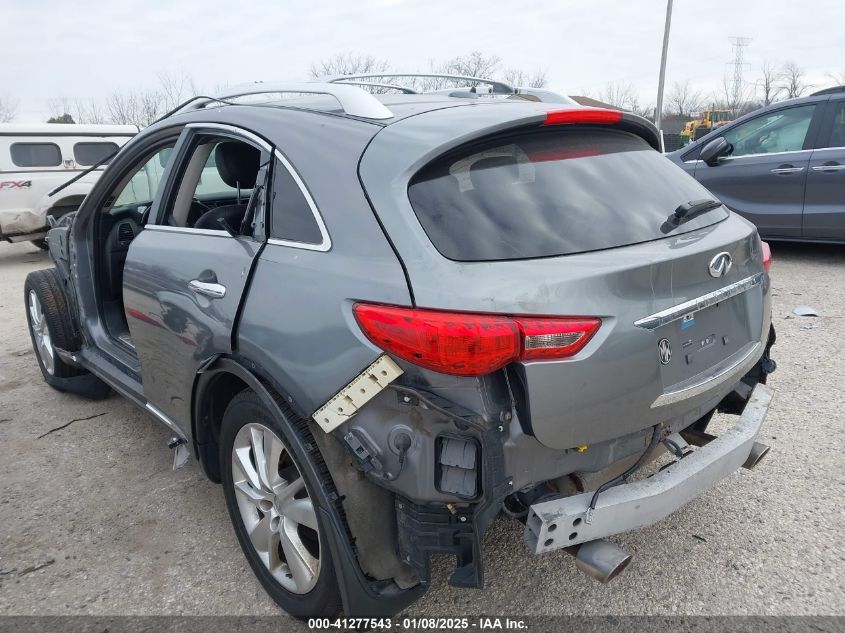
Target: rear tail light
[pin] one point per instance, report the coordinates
(767, 256)
(471, 344)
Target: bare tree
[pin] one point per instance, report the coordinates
(838, 78)
(8, 109)
(476, 64)
(768, 84)
(792, 80)
(517, 77)
(620, 95)
(734, 97)
(60, 106)
(139, 108)
(646, 111)
(89, 112)
(683, 101)
(347, 64)
(175, 89)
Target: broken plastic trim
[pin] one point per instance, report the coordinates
(363, 388)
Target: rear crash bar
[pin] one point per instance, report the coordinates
(563, 522)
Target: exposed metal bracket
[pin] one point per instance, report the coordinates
(363, 388)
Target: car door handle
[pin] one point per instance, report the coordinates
(787, 169)
(211, 290)
(830, 166)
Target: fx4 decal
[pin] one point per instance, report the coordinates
(15, 184)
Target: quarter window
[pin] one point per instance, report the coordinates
(292, 218)
(93, 153)
(36, 154)
(780, 131)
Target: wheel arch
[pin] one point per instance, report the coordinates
(216, 383)
(220, 378)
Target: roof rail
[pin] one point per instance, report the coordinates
(829, 91)
(375, 84)
(499, 87)
(353, 100)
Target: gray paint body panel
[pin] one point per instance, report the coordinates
(298, 324)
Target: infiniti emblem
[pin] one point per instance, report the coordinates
(720, 264)
(664, 351)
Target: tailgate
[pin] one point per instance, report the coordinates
(578, 223)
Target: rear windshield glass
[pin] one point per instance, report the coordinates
(553, 193)
(93, 153)
(36, 154)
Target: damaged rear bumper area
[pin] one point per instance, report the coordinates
(570, 521)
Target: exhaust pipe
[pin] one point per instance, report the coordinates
(600, 559)
(758, 452)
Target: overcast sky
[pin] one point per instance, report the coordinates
(91, 48)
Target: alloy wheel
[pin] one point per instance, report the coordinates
(41, 333)
(275, 507)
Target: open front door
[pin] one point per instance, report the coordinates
(185, 274)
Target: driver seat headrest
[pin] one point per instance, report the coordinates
(237, 163)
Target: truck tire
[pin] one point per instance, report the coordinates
(41, 243)
(50, 327)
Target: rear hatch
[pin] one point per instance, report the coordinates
(578, 220)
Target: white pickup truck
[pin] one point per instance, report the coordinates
(37, 158)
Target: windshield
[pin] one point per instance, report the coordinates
(552, 193)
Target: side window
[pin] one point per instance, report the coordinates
(837, 132)
(140, 186)
(92, 153)
(218, 189)
(36, 154)
(293, 219)
(781, 131)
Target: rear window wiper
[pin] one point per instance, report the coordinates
(687, 211)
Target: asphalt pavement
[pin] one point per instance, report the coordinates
(93, 520)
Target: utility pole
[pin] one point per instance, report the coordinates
(658, 114)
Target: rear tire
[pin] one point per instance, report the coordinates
(274, 511)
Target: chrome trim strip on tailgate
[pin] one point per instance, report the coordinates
(716, 377)
(677, 312)
(562, 522)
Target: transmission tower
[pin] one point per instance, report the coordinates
(738, 45)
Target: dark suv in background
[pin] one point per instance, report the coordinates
(782, 167)
(387, 320)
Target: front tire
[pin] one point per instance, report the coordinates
(50, 327)
(275, 513)
(49, 324)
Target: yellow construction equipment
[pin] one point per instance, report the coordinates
(697, 128)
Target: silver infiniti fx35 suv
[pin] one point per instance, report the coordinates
(381, 322)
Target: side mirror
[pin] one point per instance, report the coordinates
(714, 150)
